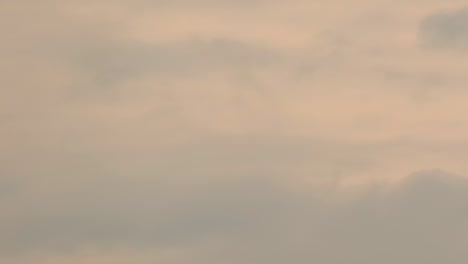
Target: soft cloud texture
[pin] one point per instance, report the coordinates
(446, 29)
(248, 221)
(186, 132)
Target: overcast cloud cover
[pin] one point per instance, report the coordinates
(233, 132)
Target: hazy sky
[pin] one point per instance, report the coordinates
(233, 132)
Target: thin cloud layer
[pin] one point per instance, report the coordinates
(186, 132)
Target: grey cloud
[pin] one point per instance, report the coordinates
(236, 192)
(135, 216)
(109, 59)
(447, 29)
(81, 176)
(172, 196)
(264, 225)
(159, 197)
(108, 63)
(99, 56)
(422, 221)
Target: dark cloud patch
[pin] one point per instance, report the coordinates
(196, 55)
(447, 30)
(259, 220)
(166, 197)
(111, 60)
(138, 217)
(421, 221)
(106, 64)
(100, 57)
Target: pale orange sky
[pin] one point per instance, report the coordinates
(263, 131)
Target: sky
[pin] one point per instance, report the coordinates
(233, 132)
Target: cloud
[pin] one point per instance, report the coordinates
(184, 132)
(107, 58)
(386, 227)
(446, 30)
(421, 220)
(68, 199)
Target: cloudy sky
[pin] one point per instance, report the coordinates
(233, 132)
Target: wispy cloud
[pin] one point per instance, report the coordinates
(186, 132)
